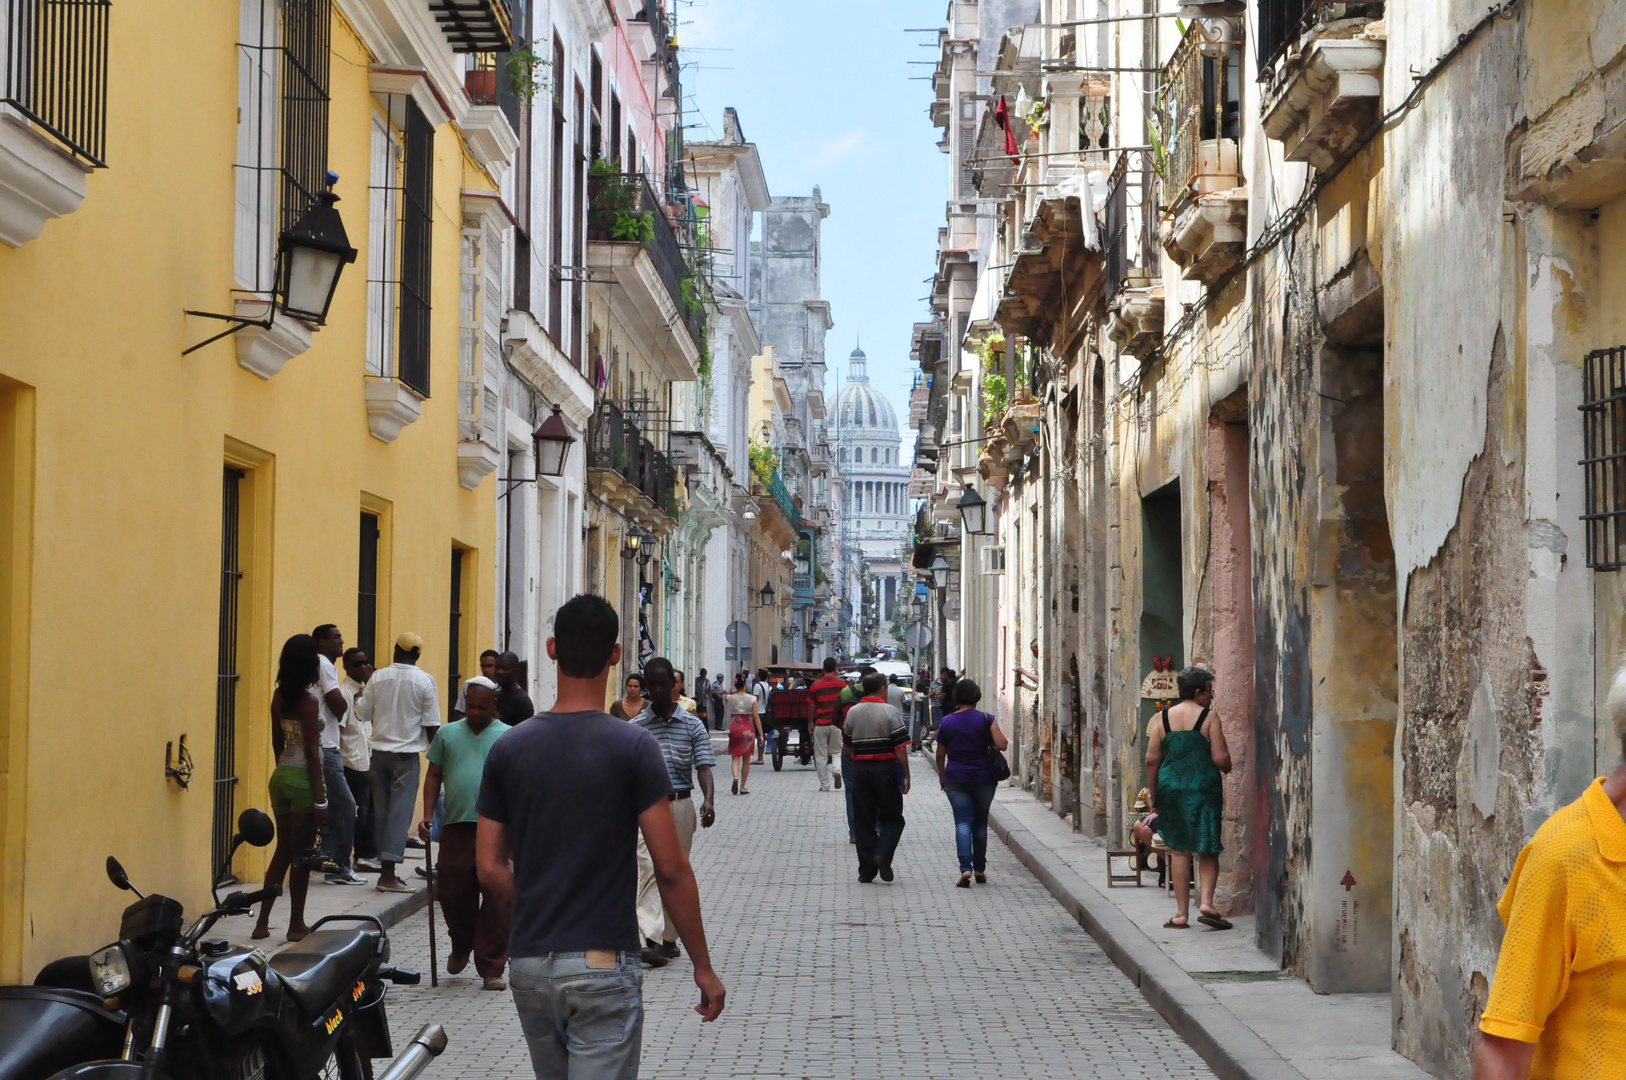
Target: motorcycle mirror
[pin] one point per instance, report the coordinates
(256, 827)
(116, 874)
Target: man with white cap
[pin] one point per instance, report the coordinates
(403, 705)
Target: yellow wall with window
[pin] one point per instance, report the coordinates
(112, 449)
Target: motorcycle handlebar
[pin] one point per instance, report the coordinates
(399, 976)
(239, 900)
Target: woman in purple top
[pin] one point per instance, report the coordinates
(964, 738)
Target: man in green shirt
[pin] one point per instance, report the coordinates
(476, 920)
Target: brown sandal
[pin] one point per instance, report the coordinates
(1172, 925)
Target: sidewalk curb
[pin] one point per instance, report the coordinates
(1231, 1048)
(402, 907)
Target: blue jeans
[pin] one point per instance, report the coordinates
(395, 800)
(970, 803)
(580, 1023)
(340, 835)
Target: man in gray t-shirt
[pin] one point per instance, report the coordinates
(565, 795)
(876, 742)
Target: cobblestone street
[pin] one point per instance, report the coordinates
(828, 978)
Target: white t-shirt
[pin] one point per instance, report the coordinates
(400, 702)
(327, 678)
(355, 733)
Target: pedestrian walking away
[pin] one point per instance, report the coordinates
(1557, 1005)
(686, 745)
(403, 706)
(763, 688)
(849, 697)
(826, 724)
(513, 703)
(476, 919)
(965, 739)
(298, 797)
(339, 835)
(355, 746)
(631, 702)
(878, 742)
(744, 732)
(563, 800)
(1184, 759)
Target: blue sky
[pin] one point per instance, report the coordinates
(825, 92)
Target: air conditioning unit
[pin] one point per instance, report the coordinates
(993, 559)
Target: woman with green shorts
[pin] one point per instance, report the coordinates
(298, 798)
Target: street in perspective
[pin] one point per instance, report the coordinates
(591, 539)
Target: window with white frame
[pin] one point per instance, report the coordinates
(480, 329)
(383, 245)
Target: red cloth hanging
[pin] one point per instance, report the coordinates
(1002, 117)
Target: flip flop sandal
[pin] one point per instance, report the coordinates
(963, 883)
(1172, 925)
(1216, 921)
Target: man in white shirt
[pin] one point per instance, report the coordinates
(403, 705)
(356, 750)
(339, 834)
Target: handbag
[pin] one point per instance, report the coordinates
(998, 768)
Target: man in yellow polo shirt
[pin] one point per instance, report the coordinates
(1557, 1008)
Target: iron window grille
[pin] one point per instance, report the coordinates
(53, 70)
(228, 677)
(1603, 413)
(283, 67)
(383, 246)
(417, 168)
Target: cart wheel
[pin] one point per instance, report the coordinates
(778, 759)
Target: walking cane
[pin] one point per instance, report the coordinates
(429, 876)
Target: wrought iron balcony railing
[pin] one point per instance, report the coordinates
(475, 25)
(622, 208)
(1199, 113)
(53, 70)
(1131, 231)
(616, 442)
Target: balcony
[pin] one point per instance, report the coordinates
(1199, 117)
(1209, 237)
(782, 498)
(626, 470)
(1325, 91)
(632, 234)
(53, 110)
(1058, 265)
(1135, 316)
(474, 26)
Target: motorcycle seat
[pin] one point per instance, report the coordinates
(327, 964)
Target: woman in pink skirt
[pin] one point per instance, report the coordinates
(744, 731)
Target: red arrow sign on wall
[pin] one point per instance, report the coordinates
(1349, 881)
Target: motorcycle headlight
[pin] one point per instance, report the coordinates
(110, 971)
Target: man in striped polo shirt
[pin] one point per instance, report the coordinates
(826, 730)
(878, 743)
(686, 745)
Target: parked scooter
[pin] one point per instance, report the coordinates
(165, 1001)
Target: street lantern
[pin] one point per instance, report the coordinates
(552, 442)
(767, 594)
(645, 553)
(313, 252)
(633, 541)
(973, 511)
(940, 571)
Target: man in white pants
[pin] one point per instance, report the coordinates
(826, 691)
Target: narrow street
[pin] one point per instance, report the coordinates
(828, 978)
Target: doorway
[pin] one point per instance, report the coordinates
(1163, 609)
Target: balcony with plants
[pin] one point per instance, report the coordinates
(1195, 138)
(655, 252)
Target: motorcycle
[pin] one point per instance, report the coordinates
(166, 1001)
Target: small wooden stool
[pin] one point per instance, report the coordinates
(1114, 879)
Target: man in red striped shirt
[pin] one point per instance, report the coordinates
(826, 724)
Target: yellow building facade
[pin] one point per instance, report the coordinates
(156, 508)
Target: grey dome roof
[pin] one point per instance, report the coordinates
(860, 406)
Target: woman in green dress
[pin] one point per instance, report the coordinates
(1184, 759)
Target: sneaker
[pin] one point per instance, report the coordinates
(348, 877)
(414, 842)
(494, 982)
(421, 872)
(394, 886)
(371, 866)
(670, 950)
(838, 781)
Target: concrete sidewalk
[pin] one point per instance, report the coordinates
(1229, 1001)
(324, 900)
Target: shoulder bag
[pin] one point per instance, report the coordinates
(998, 768)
